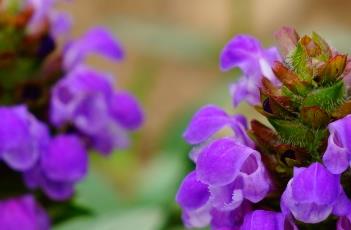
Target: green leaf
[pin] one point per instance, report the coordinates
(147, 218)
(299, 62)
(328, 98)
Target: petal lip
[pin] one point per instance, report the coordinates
(192, 194)
(220, 163)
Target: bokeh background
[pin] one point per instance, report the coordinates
(171, 65)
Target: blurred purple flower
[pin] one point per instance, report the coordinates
(22, 213)
(313, 194)
(86, 99)
(43, 14)
(96, 41)
(61, 166)
(337, 157)
(246, 52)
(22, 137)
(267, 220)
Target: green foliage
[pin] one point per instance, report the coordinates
(328, 98)
(299, 62)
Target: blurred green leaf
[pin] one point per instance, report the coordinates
(136, 219)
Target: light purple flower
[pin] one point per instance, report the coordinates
(195, 199)
(267, 220)
(246, 52)
(86, 99)
(233, 172)
(64, 164)
(44, 13)
(313, 194)
(228, 174)
(337, 157)
(210, 119)
(96, 41)
(22, 137)
(23, 213)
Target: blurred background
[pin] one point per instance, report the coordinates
(171, 65)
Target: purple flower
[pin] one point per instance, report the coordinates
(210, 119)
(195, 199)
(86, 99)
(23, 213)
(44, 13)
(313, 194)
(246, 52)
(22, 137)
(227, 175)
(233, 172)
(267, 220)
(61, 166)
(337, 157)
(96, 41)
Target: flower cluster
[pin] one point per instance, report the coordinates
(54, 108)
(292, 174)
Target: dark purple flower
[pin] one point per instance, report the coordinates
(344, 223)
(86, 98)
(22, 137)
(210, 119)
(267, 220)
(313, 194)
(23, 213)
(246, 52)
(337, 157)
(64, 164)
(96, 41)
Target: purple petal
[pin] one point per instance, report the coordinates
(192, 194)
(22, 137)
(337, 156)
(239, 126)
(198, 218)
(228, 197)
(58, 191)
(311, 195)
(111, 136)
(245, 89)
(207, 121)
(23, 213)
(256, 182)
(316, 184)
(126, 110)
(230, 220)
(97, 40)
(66, 159)
(74, 89)
(267, 220)
(61, 24)
(344, 223)
(239, 52)
(342, 206)
(220, 163)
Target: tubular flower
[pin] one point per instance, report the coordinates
(246, 52)
(54, 109)
(286, 176)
